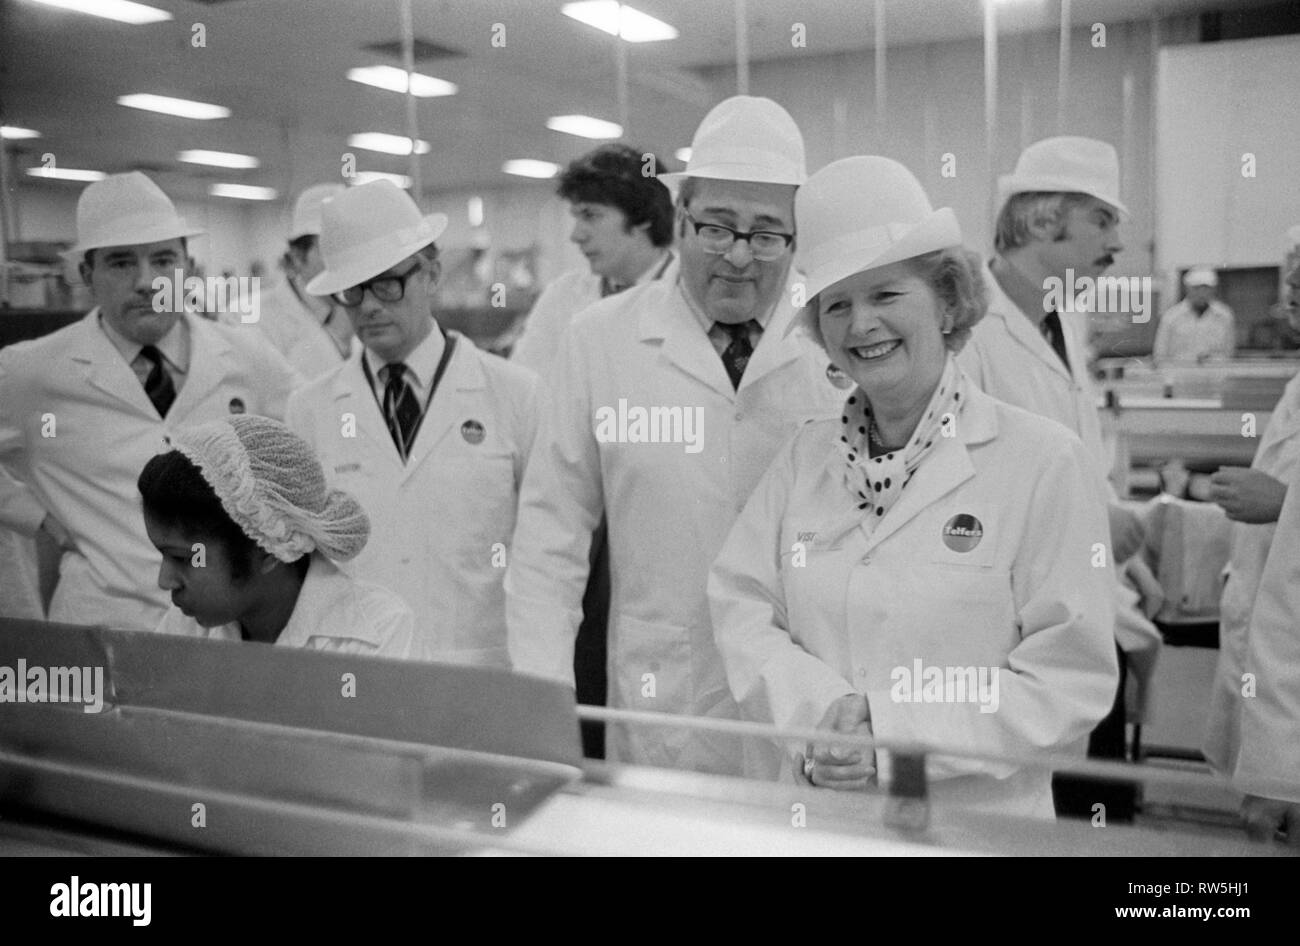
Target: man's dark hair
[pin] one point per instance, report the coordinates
(176, 494)
(616, 175)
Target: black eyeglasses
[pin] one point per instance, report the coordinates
(766, 245)
(384, 288)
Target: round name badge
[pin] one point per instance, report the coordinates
(237, 406)
(472, 431)
(963, 532)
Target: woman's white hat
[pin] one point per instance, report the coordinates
(745, 138)
(368, 229)
(126, 210)
(861, 213)
(306, 209)
(1067, 164)
(1201, 276)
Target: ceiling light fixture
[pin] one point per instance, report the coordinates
(584, 126)
(14, 133)
(219, 159)
(619, 19)
(243, 192)
(366, 177)
(394, 80)
(137, 14)
(66, 174)
(530, 167)
(181, 108)
(387, 144)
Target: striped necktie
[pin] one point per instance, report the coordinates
(159, 384)
(401, 409)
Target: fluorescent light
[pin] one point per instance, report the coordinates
(123, 11)
(619, 20)
(66, 174)
(14, 133)
(387, 144)
(181, 108)
(474, 211)
(584, 126)
(365, 177)
(219, 159)
(242, 191)
(682, 154)
(394, 80)
(528, 167)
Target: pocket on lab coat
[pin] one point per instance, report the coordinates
(650, 670)
(977, 603)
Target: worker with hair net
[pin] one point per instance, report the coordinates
(249, 533)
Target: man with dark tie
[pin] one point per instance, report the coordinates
(429, 433)
(666, 404)
(83, 409)
(1059, 220)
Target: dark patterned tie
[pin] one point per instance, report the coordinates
(158, 385)
(401, 410)
(736, 355)
(1055, 336)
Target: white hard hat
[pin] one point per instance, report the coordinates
(1200, 276)
(862, 213)
(1065, 164)
(745, 138)
(126, 210)
(306, 209)
(368, 229)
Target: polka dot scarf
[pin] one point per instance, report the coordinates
(876, 482)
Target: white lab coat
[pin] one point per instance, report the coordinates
(440, 525)
(1268, 763)
(76, 428)
(809, 606)
(297, 332)
(668, 510)
(333, 612)
(1278, 456)
(1010, 359)
(19, 595)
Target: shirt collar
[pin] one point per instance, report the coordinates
(320, 606)
(174, 345)
(420, 363)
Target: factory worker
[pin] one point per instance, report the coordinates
(666, 405)
(926, 529)
(82, 409)
(429, 433)
(1252, 498)
(312, 332)
(622, 223)
(250, 535)
(1199, 328)
(1058, 221)
(1267, 768)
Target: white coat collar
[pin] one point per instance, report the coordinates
(947, 467)
(458, 394)
(1019, 326)
(103, 367)
(327, 600)
(666, 316)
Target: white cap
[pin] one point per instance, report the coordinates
(862, 213)
(126, 210)
(368, 229)
(1200, 276)
(1067, 164)
(744, 138)
(306, 209)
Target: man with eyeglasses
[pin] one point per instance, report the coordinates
(428, 432)
(707, 365)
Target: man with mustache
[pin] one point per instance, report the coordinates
(1059, 214)
(83, 409)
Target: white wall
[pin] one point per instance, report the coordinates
(1216, 103)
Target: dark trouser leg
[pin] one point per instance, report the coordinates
(1076, 795)
(590, 648)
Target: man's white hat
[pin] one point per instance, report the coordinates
(126, 210)
(1200, 276)
(861, 213)
(745, 138)
(1065, 164)
(368, 229)
(306, 210)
